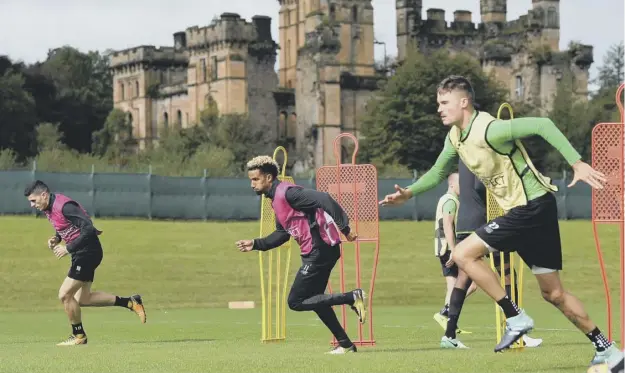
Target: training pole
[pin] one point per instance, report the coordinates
(277, 262)
(493, 210)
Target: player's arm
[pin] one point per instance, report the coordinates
(441, 169)
(78, 218)
(308, 199)
(275, 239)
(449, 213)
(501, 132)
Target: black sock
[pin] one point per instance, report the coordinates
(77, 329)
(598, 339)
(516, 290)
(456, 300)
(508, 307)
(123, 302)
(329, 319)
(445, 310)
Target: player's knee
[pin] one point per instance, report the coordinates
(65, 296)
(553, 296)
(295, 304)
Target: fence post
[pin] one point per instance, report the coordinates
(95, 210)
(565, 195)
(33, 173)
(415, 176)
(150, 192)
(204, 196)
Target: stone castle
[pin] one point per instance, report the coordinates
(326, 70)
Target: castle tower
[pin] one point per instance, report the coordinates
(493, 11)
(547, 13)
(137, 74)
(216, 74)
(299, 18)
(408, 13)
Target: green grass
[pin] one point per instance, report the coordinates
(189, 271)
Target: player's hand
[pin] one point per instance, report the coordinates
(450, 262)
(400, 196)
(60, 251)
(583, 171)
(53, 241)
(245, 245)
(351, 236)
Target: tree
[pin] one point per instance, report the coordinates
(115, 137)
(402, 125)
(612, 73)
(49, 137)
(17, 115)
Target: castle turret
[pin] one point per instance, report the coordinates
(408, 13)
(137, 74)
(547, 15)
(493, 11)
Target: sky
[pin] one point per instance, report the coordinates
(31, 27)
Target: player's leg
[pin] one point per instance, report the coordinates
(456, 301)
(307, 294)
(87, 298)
(450, 275)
(68, 288)
(469, 258)
(553, 292)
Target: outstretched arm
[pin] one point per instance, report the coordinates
(273, 240)
(441, 169)
(501, 132)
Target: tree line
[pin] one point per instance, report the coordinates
(59, 113)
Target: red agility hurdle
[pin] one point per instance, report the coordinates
(608, 153)
(355, 188)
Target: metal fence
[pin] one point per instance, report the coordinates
(162, 197)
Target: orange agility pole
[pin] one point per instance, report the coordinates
(355, 188)
(608, 153)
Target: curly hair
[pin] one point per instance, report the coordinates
(265, 164)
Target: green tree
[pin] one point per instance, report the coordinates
(17, 115)
(402, 125)
(49, 137)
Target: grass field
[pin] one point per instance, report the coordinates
(187, 272)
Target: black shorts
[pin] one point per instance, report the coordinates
(313, 276)
(83, 267)
(448, 272)
(532, 231)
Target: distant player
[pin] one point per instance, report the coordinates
(314, 219)
(445, 243)
(492, 150)
(471, 216)
(74, 226)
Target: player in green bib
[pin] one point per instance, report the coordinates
(445, 224)
(492, 150)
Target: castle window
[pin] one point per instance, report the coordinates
(332, 12)
(136, 89)
(204, 75)
(179, 115)
(355, 14)
(519, 87)
(291, 125)
(282, 129)
(552, 18)
(214, 68)
(130, 125)
(165, 120)
(122, 90)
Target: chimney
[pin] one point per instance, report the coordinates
(262, 24)
(436, 14)
(462, 16)
(180, 40)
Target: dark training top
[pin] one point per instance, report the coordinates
(472, 210)
(306, 201)
(88, 240)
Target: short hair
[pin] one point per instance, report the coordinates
(37, 187)
(265, 164)
(457, 82)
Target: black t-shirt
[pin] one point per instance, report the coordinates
(472, 210)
